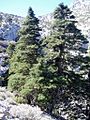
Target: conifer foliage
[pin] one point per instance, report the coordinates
(46, 72)
(25, 53)
(63, 59)
(64, 47)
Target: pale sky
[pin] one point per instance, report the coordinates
(40, 7)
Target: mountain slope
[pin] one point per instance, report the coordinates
(81, 10)
(9, 26)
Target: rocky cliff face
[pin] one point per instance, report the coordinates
(81, 10)
(9, 25)
(46, 24)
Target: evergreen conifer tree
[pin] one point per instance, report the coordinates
(64, 49)
(25, 53)
(64, 61)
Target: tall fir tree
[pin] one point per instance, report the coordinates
(64, 61)
(47, 80)
(64, 49)
(25, 53)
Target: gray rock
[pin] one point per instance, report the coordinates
(81, 10)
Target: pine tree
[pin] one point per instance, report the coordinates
(25, 53)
